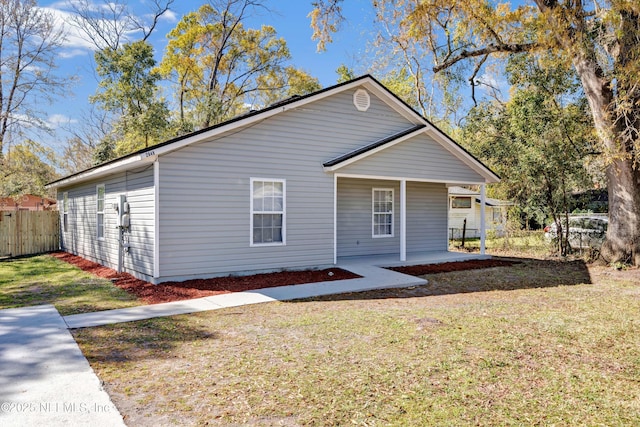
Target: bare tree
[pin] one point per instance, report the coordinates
(29, 42)
(108, 24)
(94, 126)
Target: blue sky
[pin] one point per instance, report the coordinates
(288, 17)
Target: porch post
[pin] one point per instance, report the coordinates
(156, 219)
(403, 220)
(335, 219)
(483, 230)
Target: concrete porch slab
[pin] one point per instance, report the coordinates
(416, 258)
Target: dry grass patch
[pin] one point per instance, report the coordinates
(537, 343)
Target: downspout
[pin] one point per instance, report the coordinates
(403, 220)
(483, 228)
(156, 220)
(335, 219)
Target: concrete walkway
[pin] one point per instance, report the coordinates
(372, 278)
(44, 378)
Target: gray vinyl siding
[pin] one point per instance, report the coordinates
(355, 218)
(203, 203)
(204, 189)
(417, 158)
(81, 237)
(426, 217)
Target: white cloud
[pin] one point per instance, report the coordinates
(73, 36)
(54, 121)
(72, 53)
(489, 79)
(169, 16)
(493, 84)
(76, 41)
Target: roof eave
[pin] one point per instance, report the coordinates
(361, 153)
(123, 164)
(151, 153)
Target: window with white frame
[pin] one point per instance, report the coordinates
(268, 211)
(382, 212)
(65, 211)
(100, 211)
(463, 202)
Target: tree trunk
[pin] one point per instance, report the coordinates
(623, 235)
(622, 243)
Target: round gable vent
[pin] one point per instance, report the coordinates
(361, 100)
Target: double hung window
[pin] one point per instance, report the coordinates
(382, 212)
(65, 211)
(268, 213)
(100, 211)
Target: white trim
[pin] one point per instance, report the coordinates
(386, 95)
(373, 213)
(156, 219)
(403, 220)
(99, 172)
(98, 212)
(283, 213)
(400, 178)
(335, 219)
(371, 85)
(373, 151)
(465, 157)
(439, 138)
(65, 212)
(151, 155)
(483, 225)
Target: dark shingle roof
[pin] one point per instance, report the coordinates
(372, 146)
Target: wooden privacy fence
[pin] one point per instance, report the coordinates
(28, 232)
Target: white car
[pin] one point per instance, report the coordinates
(584, 231)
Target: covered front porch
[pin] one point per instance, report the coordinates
(391, 196)
(390, 221)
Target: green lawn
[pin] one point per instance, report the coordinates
(537, 343)
(45, 280)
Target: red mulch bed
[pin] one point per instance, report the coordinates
(176, 291)
(446, 267)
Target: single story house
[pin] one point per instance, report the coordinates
(466, 204)
(27, 202)
(350, 170)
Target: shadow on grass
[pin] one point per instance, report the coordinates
(38, 279)
(145, 339)
(157, 338)
(523, 274)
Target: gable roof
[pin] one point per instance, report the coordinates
(150, 154)
(367, 149)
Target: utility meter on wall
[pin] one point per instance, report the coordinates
(124, 221)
